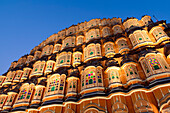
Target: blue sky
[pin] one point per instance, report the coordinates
(26, 23)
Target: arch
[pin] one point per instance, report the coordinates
(77, 58)
(38, 68)
(10, 99)
(56, 84)
(131, 71)
(105, 22)
(109, 49)
(158, 33)
(18, 75)
(49, 111)
(117, 29)
(69, 110)
(118, 107)
(63, 60)
(80, 40)
(122, 44)
(92, 110)
(92, 51)
(154, 63)
(68, 42)
(26, 73)
(57, 48)
(89, 108)
(140, 36)
(91, 77)
(92, 34)
(71, 30)
(10, 76)
(47, 50)
(130, 23)
(49, 66)
(115, 21)
(93, 22)
(142, 105)
(25, 94)
(106, 31)
(72, 84)
(113, 74)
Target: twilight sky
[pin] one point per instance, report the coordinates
(26, 23)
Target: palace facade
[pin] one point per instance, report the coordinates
(99, 66)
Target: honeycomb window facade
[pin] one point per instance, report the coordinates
(97, 66)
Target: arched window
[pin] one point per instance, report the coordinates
(80, 40)
(105, 22)
(25, 94)
(158, 33)
(92, 34)
(57, 48)
(145, 67)
(93, 22)
(122, 45)
(77, 58)
(71, 30)
(113, 75)
(117, 29)
(55, 85)
(82, 26)
(47, 50)
(10, 76)
(92, 51)
(38, 68)
(109, 49)
(115, 21)
(154, 63)
(140, 36)
(131, 71)
(10, 100)
(68, 42)
(38, 94)
(2, 100)
(36, 55)
(72, 85)
(92, 77)
(106, 32)
(130, 23)
(49, 66)
(18, 75)
(63, 60)
(26, 73)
